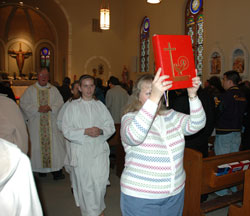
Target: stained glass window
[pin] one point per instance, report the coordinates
(45, 57)
(194, 27)
(144, 45)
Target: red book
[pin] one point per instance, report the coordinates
(174, 54)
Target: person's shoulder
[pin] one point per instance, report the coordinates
(99, 103)
(32, 87)
(123, 90)
(74, 102)
(71, 105)
(5, 100)
(129, 114)
(50, 86)
(110, 90)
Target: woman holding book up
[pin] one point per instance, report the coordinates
(153, 180)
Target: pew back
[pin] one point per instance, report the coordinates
(200, 179)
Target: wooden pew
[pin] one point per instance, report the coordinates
(236, 210)
(200, 179)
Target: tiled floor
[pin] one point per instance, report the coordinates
(57, 199)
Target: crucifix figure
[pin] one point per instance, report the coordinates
(20, 56)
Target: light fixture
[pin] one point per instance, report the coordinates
(153, 1)
(104, 16)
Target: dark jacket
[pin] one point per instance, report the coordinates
(65, 92)
(230, 111)
(8, 91)
(198, 141)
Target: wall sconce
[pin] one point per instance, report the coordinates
(153, 1)
(104, 16)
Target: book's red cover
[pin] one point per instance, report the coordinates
(174, 54)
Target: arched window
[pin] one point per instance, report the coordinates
(144, 45)
(194, 27)
(45, 58)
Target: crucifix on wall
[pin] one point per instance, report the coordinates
(20, 57)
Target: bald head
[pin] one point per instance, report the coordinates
(43, 77)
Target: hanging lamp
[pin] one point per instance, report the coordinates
(153, 1)
(104, 16)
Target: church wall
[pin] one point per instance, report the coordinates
(79, 50)
(226, 23)
(89, 48)
(226, 26)
(165, 18)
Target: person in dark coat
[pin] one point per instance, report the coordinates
(65, 90)
(7, 91)
(179, 102)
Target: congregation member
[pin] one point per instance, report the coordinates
(116, 99)
(87, 124)
(40, 104)
(18, 193)
(99, 90)
(245, 143)
(153, 180)
(230, 111)
(12, 127)
(65, 90)
(180, 102)
(5, 89)
(69, 157)
(214, 86)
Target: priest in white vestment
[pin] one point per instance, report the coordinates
(12, 127)
(88, 124)
(18, 194)
(40, 104)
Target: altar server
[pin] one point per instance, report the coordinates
(88, 124)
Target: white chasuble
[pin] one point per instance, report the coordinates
(47, 144)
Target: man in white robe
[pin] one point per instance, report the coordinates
(88, 124)
(40, 104)
(18, 194)
(12, 125)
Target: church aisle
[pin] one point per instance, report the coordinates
(57, 199)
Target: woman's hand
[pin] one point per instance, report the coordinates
(159, 86)
(192, 91)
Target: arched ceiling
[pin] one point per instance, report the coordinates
(23, 22)
(36, 22)
(33, 20)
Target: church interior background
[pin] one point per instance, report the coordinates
(65, 37)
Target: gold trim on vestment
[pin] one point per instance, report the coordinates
(45, 132)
